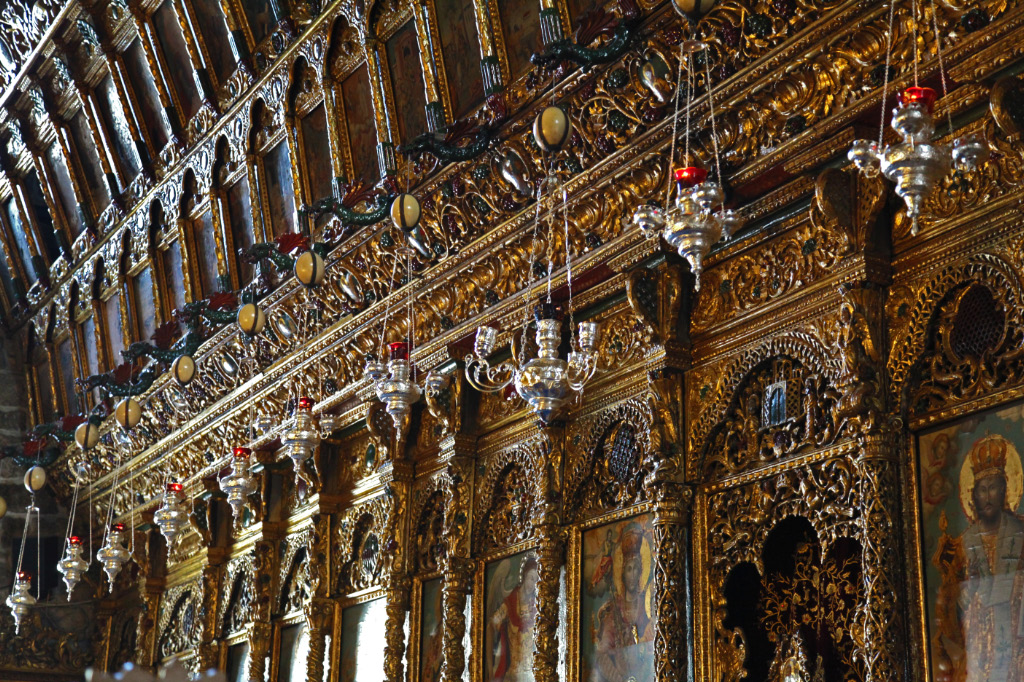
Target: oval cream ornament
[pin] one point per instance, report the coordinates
(405, 212)
(309, 268)
(184, 369)
(552, 128)
(251, 319)
(35, 479)
(128, 412)
(87, 435)
(693, 10)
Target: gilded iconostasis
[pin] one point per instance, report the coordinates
(508, 341)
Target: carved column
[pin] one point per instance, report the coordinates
(395, 575)
(861, 411)
(881, 615)
(319, 611)
(320, 621)
(209, 647)
(547, 530)
(259, 637)
(671, 513)
(458, 582)
(456, 564)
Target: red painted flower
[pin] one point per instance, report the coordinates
(292, 241)
(71, 422)
(221, 300)
(123, 373)
(165, 334)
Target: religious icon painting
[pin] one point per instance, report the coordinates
(970, 482)
(362, 634)
(294, 651)
(510, 611)
(616, 602)
(430, 631)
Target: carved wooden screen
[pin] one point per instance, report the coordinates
(216, 44)
(88, 158)
(456, 23)
(360, 125)
(64, 188)
(403, 54)
(520, 26)
(148, 98)
(176, 57)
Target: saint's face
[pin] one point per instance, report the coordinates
(989, 498)
(631, 570)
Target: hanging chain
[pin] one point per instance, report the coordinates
(568, 268)
(942, 65)
(675, 125)
(913, 28)
(24, 536)
(885, 81)
(387, 304)
(711, 106)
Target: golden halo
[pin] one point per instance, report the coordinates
(1014, 479)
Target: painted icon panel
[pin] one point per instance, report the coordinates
(362, 631)
(616, 609)
(971, 483)
(511, 612)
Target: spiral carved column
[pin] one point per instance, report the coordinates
(882, 609)
(320, 620)
(458, 583)
(550, 559)
(396, 581)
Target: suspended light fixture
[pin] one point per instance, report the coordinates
(545, 382)
(172, 516)
(72, 565)
(239, 483)
(302, 436)
(917, 163)
(20, 600)
(697, 219)
(395, 383)
(113, 554)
